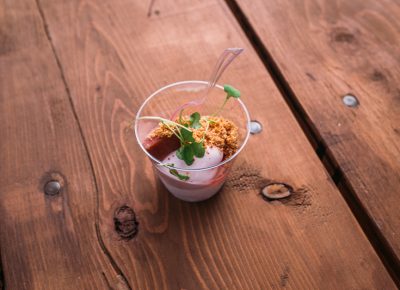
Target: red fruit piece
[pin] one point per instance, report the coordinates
(161, 147)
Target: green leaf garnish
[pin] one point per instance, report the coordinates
(195, 120)
(231, 92)
(198, 150)
(187, 136)
(179, 153)
(175, 172)
(187, 154)
(180, 176)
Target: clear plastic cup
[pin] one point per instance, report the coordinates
(203, 182)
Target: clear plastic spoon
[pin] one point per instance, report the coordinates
(225, 59)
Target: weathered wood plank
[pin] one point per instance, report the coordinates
(47, 242)
(113, 56)
(325, 50)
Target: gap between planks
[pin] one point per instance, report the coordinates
(379, 243)
(120, 275)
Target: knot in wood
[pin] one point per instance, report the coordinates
(377, 76)
(344, 37)
(125, 222)
(276, 190)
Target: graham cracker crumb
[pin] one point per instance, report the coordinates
(162, 131)
(221, 133)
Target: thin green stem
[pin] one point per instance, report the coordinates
(173, 131)
(180, 116)
(205, 131)
(221, 108)
(163, 120)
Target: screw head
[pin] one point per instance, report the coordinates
(52, 187)
(350, 101)
(255, 127)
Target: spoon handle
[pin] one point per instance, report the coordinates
(224, 60)
(227, 56)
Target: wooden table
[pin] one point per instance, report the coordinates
(72, 76)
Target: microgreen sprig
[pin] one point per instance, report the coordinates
(231, 92)
(189, 147)
(195, 120)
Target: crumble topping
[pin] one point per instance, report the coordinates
(221, 133)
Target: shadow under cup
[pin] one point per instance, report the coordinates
(203, 182)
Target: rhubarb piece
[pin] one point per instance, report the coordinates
(161, 147)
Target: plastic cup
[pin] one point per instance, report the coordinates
(203, 182)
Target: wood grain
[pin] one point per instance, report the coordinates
(325, 50)
(47, 242)
(113, 55)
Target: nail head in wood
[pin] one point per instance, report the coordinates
(275, 191)
(52, 187)
(255, 127)
(350, 101)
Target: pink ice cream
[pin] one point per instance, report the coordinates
(201, 184)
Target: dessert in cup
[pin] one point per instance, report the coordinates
(192, 131)
(193, 147)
